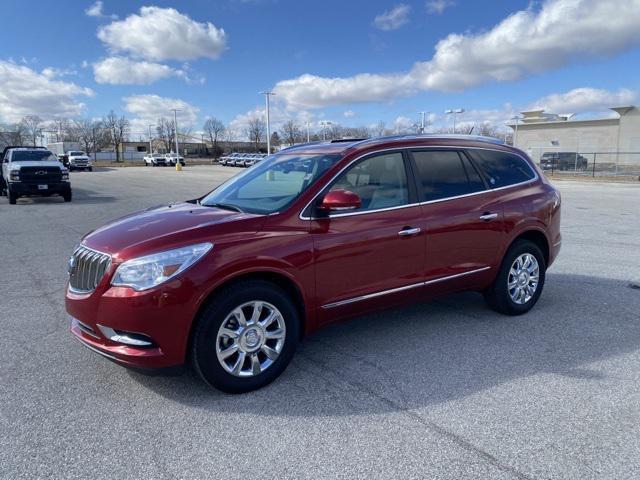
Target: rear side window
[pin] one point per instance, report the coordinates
(502, 168)
(444, 174)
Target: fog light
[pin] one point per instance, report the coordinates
(127, 338)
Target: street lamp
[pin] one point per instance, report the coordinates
(455, 112)
(422, 115)
(308, 134)
(150, 139)
(175, 124)
(267, 95)
(515, 135)
(324, 124)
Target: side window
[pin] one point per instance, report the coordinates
(502, 168)
(443, 174)
(380, 181)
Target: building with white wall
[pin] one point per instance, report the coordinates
(610, 141)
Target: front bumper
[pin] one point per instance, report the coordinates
(32, 189)
(163, 315)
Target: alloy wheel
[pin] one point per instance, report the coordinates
(250, 339)
(524, 277)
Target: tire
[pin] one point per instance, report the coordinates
(208, 343)
(67, 196)
(90, 169)
(13, 198)
(500, 297)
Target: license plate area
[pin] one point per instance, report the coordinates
(43, 187)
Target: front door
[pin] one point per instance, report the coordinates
(377, 252)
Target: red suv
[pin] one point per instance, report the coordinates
(232, 281)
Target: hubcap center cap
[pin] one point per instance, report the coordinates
(523, 279)
(252, 338)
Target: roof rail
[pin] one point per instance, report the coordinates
(477, 138)
(345, 140)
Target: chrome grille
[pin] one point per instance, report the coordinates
(86, 269)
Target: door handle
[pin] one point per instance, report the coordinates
(409, 231)
(487, 217)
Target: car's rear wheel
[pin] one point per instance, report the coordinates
(520, 280)
(246, 337)
(67, 196)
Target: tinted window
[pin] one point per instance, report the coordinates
(380, 181)
(443, 174)
(502, 168)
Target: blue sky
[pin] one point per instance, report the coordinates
(354, 63)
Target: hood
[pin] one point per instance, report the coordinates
(37, 163)
(163, 225)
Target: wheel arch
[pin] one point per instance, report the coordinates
(277, 278)
(536, 236)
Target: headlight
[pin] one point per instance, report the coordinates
(65, 174)
(14, 175)
(152, 270)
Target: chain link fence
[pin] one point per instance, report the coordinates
(586, 163)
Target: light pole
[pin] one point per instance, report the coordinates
(150, 140)
(308, 134)
(515, 135)
(267, 95)
(422, 116)
(455, 112)
(324, 124)
(175, 125)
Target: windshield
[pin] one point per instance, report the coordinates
(33, 156)
(272, 184)
(77, 154)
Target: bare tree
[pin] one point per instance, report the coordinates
(255, 130)
(12, 134)
(214, 129)
(380, 129)
(291, 132)
(32, 127)
(119, 130)
(165, 129)
(92, 135)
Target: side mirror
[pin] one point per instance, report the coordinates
(340, 200)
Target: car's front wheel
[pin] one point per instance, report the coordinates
(246, 337)
(519, 282)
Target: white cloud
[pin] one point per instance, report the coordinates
(163, 34)
(96, 10)
(24, 91)
(349, 114)
(584, 100)
(52, 72)
(147, 109)
(528, 42)
(438, 6)
(277, 116)
(394, 18)
(124, 71)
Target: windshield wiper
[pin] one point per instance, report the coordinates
(225, 206)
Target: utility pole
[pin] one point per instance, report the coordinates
(308, 134)
(324, 124)
(515, 135)
(175, 124)
(150, 140)
(267, 95)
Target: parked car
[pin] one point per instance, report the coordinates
(170, 159)
(155, 160)
(78, 161)
(33, 171)
(253, 159)
(316, 233)
(563, 161)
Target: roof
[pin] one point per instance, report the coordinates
(347, 146)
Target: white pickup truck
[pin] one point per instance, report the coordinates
(33, 171)
(79, 161)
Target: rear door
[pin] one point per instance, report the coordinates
(463, 218)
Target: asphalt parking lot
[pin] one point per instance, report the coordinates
(447, 389)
